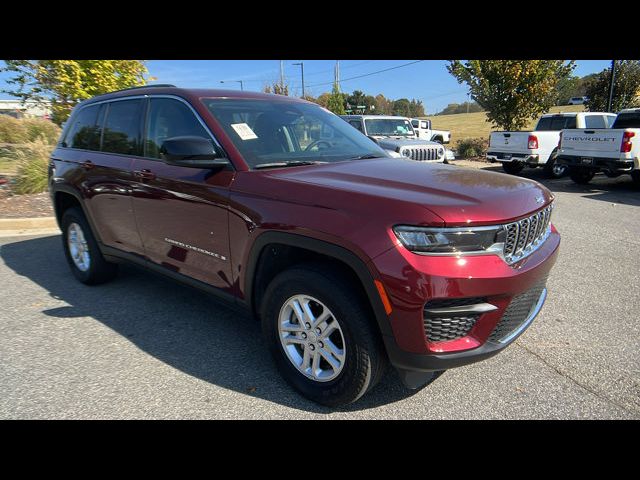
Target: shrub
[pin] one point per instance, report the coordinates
(40, 127)
(472, 147)
(12, 130)
(33, 161)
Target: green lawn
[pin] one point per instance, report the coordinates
(473, 125)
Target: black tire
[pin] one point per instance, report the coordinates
(513, 167)
(365, 360)
(99, 270)
(581, 175)
(635, 176)
(552, 169)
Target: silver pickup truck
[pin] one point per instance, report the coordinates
(396, 135)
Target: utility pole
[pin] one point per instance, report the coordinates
(281, 73)
(611, 82)
(302, 69)
(336, 78)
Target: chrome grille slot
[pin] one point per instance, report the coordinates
(523, 236)
(422, 154)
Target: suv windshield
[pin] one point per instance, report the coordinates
(389, 127)
(272, 133)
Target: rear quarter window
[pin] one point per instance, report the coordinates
(557, 122)
(84, 132)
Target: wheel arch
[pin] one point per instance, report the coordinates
(256, 279)
(65, 197)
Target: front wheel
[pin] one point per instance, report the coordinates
(513, 167)
(581, 175)
(319, 331)
(552, 169)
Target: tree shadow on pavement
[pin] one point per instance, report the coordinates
(179, 325)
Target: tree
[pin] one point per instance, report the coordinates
(416, 109)
(402, 107)
(384, 106)
(336, 102)
(626, 88)
(323, 99)
(277, 88)
(358, 98)
(513, 92)
(67, 82)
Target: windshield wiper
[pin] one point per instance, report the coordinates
(292, 163)
(365, 157)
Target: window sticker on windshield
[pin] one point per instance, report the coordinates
(244, 131)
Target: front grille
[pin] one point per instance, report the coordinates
(524, 236)
(440, 328)
(517, 312)
(422, 154)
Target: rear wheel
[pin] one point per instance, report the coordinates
(635, 176)
(581, 175)
(81, 250)
(513, 167)
(319, 331)
(552, 169)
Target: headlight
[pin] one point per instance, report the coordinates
(440, 152)
(451, 241)
(406, 152)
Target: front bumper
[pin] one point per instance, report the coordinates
(593, 163)
(413, 280)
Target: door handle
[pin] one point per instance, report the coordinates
(144, 174)
(88, 164)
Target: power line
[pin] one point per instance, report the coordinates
(366, 74)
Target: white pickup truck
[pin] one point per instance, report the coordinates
(613, 152)
(540, 147)
(424, 131)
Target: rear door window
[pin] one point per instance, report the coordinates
(122, 128)
(557, 122)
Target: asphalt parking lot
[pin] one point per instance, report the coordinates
(146, 347)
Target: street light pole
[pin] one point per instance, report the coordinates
(302, 70)
(611, 82)
(237, 81)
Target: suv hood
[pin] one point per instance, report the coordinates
(458, 195)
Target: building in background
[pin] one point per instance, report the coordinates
(17, 109)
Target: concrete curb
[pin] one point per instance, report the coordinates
(28, 226)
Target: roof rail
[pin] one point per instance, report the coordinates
(155, 85)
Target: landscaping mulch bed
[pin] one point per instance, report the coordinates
(25, 206)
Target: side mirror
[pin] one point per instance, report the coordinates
(195, 152)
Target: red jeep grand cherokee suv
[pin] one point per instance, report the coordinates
(351, 259)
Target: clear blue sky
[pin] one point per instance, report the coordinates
(428, 80)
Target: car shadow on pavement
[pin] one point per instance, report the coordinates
(179, 325)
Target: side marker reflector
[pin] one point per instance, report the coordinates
(383, 297)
